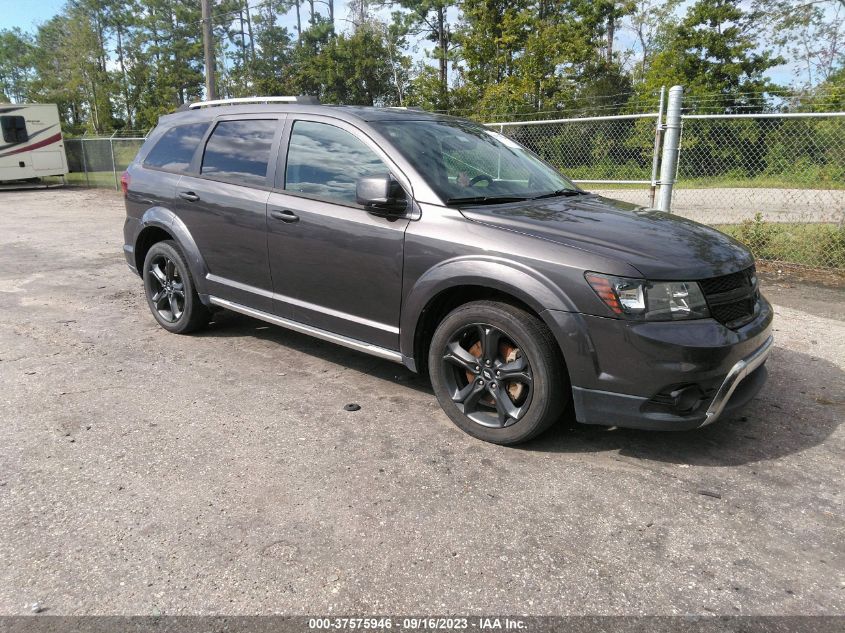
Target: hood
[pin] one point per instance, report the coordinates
(659, 245)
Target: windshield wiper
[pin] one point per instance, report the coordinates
(486, 199)
(561, 192)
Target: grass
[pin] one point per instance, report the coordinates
(95, 179)
(99, 179)
(814, 245)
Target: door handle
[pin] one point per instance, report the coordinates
(285, 215)
(190, 196)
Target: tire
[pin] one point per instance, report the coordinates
(170, 290)
(468, 387)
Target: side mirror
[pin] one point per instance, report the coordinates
(381, 195)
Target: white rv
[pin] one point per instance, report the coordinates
(31, 144)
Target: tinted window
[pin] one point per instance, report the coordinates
(326, 162)
(14, 129)
(239, 151)
(175, 149)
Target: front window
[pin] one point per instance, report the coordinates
(326, 162)
(467, 163)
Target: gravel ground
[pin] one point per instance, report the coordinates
(145, 473)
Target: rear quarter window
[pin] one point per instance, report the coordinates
(175, 149)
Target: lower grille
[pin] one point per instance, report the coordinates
(732, 298)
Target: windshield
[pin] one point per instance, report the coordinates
(467, 163)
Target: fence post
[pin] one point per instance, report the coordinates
(84, 160)
(113, 163)
(658, 139)
(671, 148)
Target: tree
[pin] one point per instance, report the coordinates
(428, 18)
(811, 33)
(651, 21)
(538, 54)
(16, 51)
(714, 53)
(350, 68)
(271, 75)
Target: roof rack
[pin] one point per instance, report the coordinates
(306, 99)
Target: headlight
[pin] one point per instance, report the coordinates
(643, 300)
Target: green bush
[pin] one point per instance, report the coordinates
(757, 235)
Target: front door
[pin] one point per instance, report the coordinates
(338, 267)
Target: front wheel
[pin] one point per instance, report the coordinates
(497, 372)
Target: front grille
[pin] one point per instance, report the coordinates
(730, 312)
(725, 283)
(732, 299)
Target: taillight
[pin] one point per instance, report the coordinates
(124, 182)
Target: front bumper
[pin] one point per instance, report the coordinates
(636, 374)
(740, 372)
(743, 382)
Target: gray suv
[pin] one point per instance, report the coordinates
(440, 244)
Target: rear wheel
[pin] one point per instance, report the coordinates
(170, 290)
(497, 372)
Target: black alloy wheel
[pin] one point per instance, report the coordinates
(170, 290)
(489, 379)
(168, 296)
(497, 371)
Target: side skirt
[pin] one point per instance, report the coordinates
(361, 346)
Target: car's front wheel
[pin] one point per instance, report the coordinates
(170, 291)
(497, 372)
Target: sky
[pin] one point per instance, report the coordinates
(27, 14)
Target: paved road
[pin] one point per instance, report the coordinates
(732, 205)
(142, 472)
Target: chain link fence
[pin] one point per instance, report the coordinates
(99, 161)
(776, 182)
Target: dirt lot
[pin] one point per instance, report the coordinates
(145, 473)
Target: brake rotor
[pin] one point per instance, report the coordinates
(509, 353)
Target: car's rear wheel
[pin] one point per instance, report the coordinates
(497, 372)
(170, 290)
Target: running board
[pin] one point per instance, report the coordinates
(361, 346)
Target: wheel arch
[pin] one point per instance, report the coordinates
(160, 224)
(449, 285)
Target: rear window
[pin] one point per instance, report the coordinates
(240, 151)
(14, 129)
(175, 150)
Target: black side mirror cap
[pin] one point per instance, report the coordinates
(381, 195)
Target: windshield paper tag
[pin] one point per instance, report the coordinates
(504, 140)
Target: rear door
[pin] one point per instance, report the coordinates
(223, 202)
(336, 266)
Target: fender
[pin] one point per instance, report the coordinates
(532, 288)
(165, 219)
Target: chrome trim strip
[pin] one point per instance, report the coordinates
(303, 304)
(735, 376)
(237, 284)
(351, 343)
